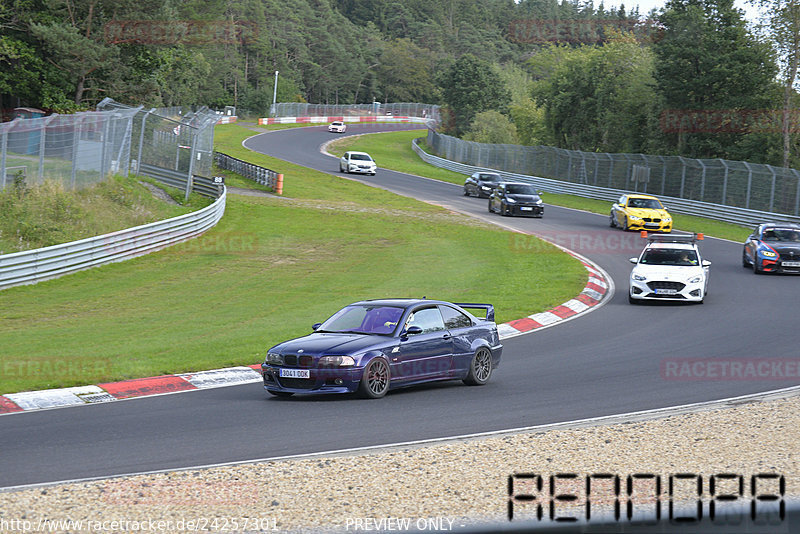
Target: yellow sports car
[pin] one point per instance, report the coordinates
(640, 212)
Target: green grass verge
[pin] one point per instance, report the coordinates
(393, 151)
(265, 273)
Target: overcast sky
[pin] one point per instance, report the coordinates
(751, 13)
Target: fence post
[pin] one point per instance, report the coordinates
(190, 177)
(141, 139)
(3, 151)
(610, 169)
(627, 170)
(683, 176)
(76, 140)
(47, 121)
(104, 149)
(749, 185)
(772, 189)
(702, 180)
(797, 195)
(724, 182)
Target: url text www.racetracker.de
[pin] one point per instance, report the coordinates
(194, 524)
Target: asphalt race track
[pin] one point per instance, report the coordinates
(607, 362)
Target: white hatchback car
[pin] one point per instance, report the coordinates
(669, 268)
(359, 162)
(337, 127)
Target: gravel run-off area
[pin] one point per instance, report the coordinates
(441, 486)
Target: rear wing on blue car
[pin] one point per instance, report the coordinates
(488, 307)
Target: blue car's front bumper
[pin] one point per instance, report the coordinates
(334, 380)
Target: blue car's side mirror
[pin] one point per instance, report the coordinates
(315, 326)
(410, 331)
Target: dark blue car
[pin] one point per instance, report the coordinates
(773, 248)
(373, 346)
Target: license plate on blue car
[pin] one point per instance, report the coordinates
(295, 373)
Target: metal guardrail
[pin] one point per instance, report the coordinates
(678, 205)
(260, 175)
(32, 266)
(200, 184)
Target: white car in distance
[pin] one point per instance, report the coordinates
(669, 268)
(359, 162)
(337, 127)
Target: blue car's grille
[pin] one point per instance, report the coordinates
(292, 360)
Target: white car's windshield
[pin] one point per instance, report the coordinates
(679, 257)
(363, 319)
(360, 157)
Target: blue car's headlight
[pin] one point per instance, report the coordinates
(768, 253)
(336, 361)
(273, 357)
(511, 201)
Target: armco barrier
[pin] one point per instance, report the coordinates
(678, 205)
(32, 266)
(260, 175)
(331, 118)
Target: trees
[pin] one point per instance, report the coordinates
(470, 86)
(492, 127)
(707, 59)
(597, 98)
(783, 26)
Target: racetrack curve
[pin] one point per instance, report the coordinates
(606, 362)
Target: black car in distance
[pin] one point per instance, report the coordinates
(481, 184)
(510, 198)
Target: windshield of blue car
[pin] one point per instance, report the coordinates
(489, 177)
(665, 256)
(363, 319)
(360, 157)
(648, 203)
(781, 234)
(514, 189)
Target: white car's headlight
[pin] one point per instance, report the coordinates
(336, 361)
(273, 357)
(638, 277)
(696, 279)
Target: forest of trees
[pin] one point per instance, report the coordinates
(691, 79)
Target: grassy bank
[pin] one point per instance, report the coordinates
(48, 214)
(265, 273)
(393, 151)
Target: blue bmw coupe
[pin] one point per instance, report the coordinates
(372, 346)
